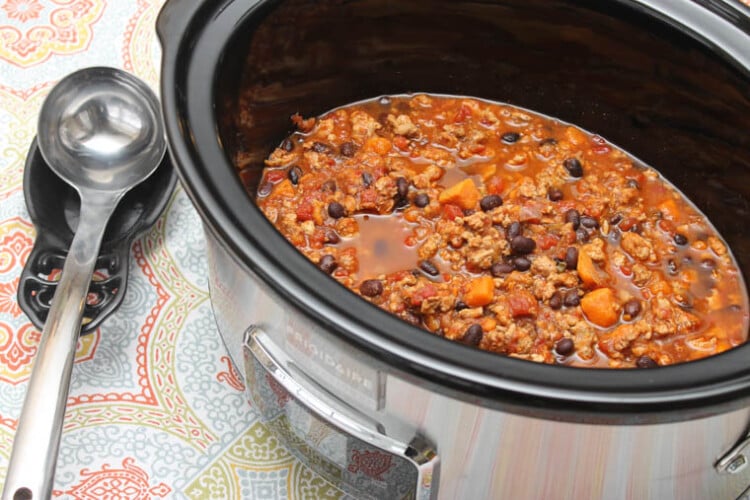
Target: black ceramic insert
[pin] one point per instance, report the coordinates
(668, 94)
(54, 209)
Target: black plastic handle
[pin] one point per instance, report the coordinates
(174, 20)
(53, 207)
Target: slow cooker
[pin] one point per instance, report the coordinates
(385, 410)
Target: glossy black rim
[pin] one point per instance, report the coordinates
(193, 44)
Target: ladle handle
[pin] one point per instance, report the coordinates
(32, 462)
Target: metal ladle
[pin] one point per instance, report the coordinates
(100, 130)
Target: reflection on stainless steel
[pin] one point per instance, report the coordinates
(85, 142)
(358, 458)
(531, 457)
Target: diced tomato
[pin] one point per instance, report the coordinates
(451, 211)
(275, 176)
(547, 241)
(531, 212)
(423, 293)
(401, 142)
(626, 224)
(565, 205)
(398, 276)
(305, 211)
(462, 114)
(477, 149)
(522, 303)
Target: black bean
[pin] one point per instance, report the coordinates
(646, 362)
(571, 258)
(500, 269)
(521, 264)
(589, 222)
(555, 194)
(510, 137)
(421, 200)
(328, 186)
(489, 202)
(473, 335)
(460, 305)
(294, 174)
(348, 149)
(574, 167)
(522, 245)
(336, 210)
(429, 267)
(513, 230)
(331, 236)
(367, 179)
(556, 301)
(565, 346)
(571, 298)
(672, 267)
(265, 189)
(635, 228)
(287, 145)
(400, 203)
(468, 212)
(371, 288)
(411, 318)
(631, 308)
(402, 187)
(582, 235)
(328, 264)
(319, 147)
(680, 239)
(616, 219)
(574, 217)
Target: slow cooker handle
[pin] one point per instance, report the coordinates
(174, 19)
(359, 459)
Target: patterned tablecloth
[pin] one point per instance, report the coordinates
(155, 408)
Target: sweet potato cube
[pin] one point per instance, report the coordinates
(588, 272)
(284, 189)
(480, 292)
(464, 194)
(669, 208)
(601, 307)
(380, 145)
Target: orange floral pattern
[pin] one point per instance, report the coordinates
(22, 10)
(65, 28)
(108, 483)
